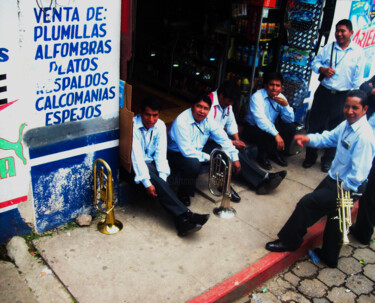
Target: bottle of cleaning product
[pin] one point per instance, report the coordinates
(251, 55)
(259, 54)
(238, 54)
(245, 55)
(265, 56)
(231, 49)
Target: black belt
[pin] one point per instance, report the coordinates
(334, 92)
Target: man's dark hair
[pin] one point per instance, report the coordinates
(204, 98)
(230, 89)
(152, 102)
(273, 76)
(347, 23)
(359, 94)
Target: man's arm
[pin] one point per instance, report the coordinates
(160, 156)
(368, 87)
(257, 109)
(220, 136)
(362, 156)
(140, 167)
(240, 145)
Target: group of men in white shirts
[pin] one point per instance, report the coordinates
(269, 124)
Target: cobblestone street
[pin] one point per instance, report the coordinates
(305, 281)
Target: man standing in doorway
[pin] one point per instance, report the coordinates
(340, 63)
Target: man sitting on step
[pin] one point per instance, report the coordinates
(270, 122)
(151, 168)
(227, 95)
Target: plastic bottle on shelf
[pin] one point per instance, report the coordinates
(231, 49)
(245, 85)
(265, 56)
(251, 56)
(258, 55)
(245, 55)
(238, 54)
(270, 56)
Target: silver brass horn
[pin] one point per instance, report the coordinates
(219, 182)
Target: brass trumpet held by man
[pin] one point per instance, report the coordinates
(344, 209)
(219, 182)
(103, 197)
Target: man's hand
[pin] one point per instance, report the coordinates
(301, 140)
(240, 145)
(373, 90)
(280, 101)
(236, 167)
(279, 142)
(151, 191)
(327, 71)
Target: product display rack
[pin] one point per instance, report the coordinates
(302, 20)
(255, 37)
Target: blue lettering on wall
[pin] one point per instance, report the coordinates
(79, 84)
(69, 49)
(73, 114)
(69, 32)
(61, 14)
(95, 13)
(4, 54)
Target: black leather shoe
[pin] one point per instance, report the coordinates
(235, 197)
(269, 184)
(278, 246)
(264, 163)
(198, 218)
(281, 173)
(325, 167)
(356, 235)
(185, 200)
(185, 226)
(278, 159)
(321, 256)
(308, 163)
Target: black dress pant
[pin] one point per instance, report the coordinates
(311, 208)
(166, 196)
(250, 172)
(326, 113)
(365, 222)
(266, 142)
(184, 174)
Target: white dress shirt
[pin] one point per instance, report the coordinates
(189, 137)
(224, 117)
(149, 145)
(348, 65)
(263, 112)
(355, 149)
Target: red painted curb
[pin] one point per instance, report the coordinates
(248, 279)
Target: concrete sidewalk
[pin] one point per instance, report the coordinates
(148, 262)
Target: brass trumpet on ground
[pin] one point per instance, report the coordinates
(103, 197)
(219, 182)
(344, 208)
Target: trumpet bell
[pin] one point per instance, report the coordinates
(109, 228)
(219, 182)
(224, 212)
(103, 197)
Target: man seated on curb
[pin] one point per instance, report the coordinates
(187, 137)
(270, 122)
(151, 167)
(355, 148)
(222, 112)
(363, 228)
